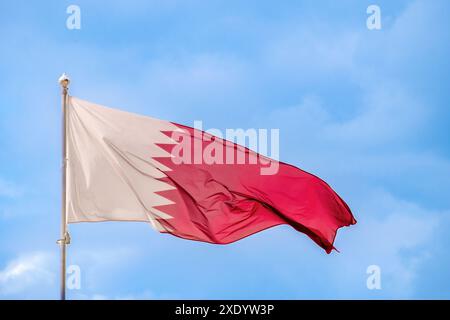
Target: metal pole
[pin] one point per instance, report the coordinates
(64, 236)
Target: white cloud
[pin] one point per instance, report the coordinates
(388, 109)
(388, 115)
(30, 271)
(393, 234)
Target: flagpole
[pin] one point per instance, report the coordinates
(64, 235)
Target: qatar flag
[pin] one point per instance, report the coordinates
(186, 182)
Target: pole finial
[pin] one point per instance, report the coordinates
(64, 80)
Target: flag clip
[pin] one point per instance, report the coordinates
(65, 240)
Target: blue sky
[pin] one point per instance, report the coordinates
(366, 110)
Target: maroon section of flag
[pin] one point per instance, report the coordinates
(220, 194)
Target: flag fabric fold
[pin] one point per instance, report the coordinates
(127, 167)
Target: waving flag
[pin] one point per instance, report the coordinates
(128, 167)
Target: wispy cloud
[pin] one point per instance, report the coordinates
(396, 236)
(27, 274)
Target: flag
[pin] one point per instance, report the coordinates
(186, 182)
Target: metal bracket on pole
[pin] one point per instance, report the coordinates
(65, 240)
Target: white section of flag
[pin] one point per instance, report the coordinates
(111, 173)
